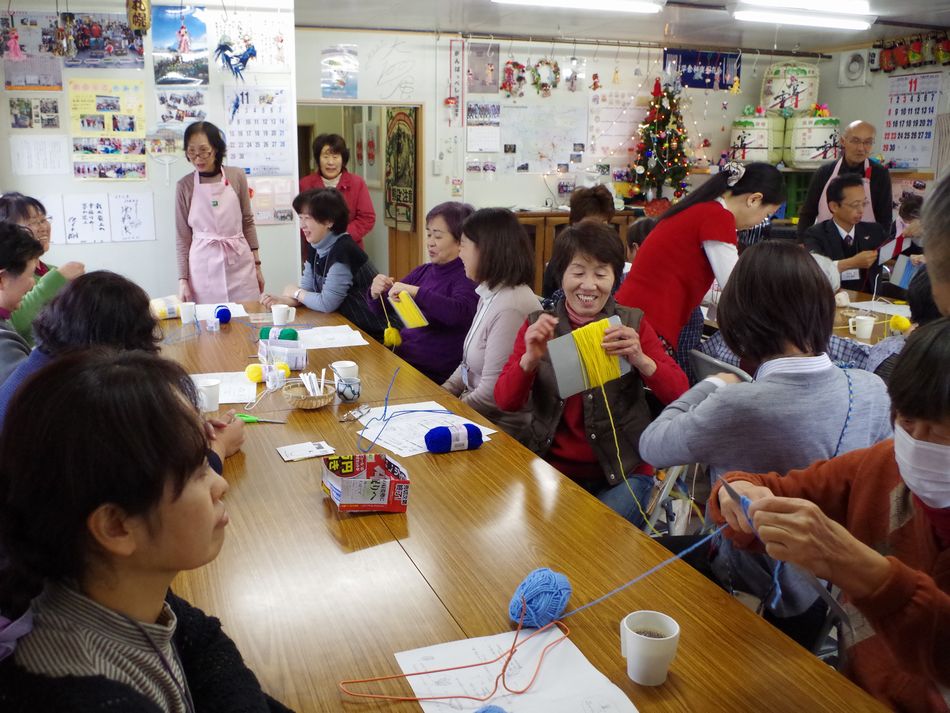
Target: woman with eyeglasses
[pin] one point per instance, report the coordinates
(29, 213)
(218, 258)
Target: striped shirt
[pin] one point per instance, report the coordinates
(74, 636)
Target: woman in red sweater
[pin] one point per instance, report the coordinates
(576, 435)
(876, 523)
(695, 241)
(332, 155)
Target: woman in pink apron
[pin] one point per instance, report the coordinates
(216, 239)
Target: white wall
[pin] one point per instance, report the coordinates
(152, 264)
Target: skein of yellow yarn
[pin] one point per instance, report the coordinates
(899, 323)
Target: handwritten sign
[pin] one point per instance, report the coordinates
(132, 217)
(87, 218)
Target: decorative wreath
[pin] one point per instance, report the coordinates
(536, 74)
(513, 78)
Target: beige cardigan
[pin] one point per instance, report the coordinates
(185, 190)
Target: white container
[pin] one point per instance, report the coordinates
(648, 640)
(789, 85)
(757, 138)
(811, 141)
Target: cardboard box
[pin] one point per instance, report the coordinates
(366, 483)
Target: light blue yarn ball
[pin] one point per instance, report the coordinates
(491, 709)
(545, 593)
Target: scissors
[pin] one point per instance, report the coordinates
(248, 418)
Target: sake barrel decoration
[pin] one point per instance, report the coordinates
(757, 138)
(789, 88)
(811, 141)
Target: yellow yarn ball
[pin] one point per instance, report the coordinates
(283, 368)
(899, 323)
(255, 373)
(392, 338)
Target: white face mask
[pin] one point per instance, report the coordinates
(924, 466)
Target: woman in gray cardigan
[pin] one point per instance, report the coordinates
(776, 312)
(498, 257)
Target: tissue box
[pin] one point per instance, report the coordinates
(284, 350)
(366, 483)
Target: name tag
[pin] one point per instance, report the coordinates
(214, 204)
(852, 274)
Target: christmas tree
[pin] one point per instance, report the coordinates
(661, 152)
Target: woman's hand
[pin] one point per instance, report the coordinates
(72, 270)
(536, 338)
(269, 300)
(399, 287)
(260, 277)
(381, 285)
(732, 510)
(184, 291)
(623, 341)
(797, 531)
(226, 434)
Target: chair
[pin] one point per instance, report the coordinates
(662, 500)
(705, 365)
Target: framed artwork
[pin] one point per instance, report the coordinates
(400, 193)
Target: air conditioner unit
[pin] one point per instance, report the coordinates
(853, 69)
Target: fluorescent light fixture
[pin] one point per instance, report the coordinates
(842, 7)
(815, 21)
(637, 6)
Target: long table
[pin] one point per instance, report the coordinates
(312, 597)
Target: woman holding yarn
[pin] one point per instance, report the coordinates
(217, 246)
(441, 290)
(577, 435)
(337, 272)
(876, 523)
(499, 258)
(695, 242)
(98, 515)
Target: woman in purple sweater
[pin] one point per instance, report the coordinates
(440, 288)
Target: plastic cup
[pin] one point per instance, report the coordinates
(648, 640)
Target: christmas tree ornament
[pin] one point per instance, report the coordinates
(736, 87)
(546, 75)
(595, 81)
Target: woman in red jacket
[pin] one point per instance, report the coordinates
(332, 155)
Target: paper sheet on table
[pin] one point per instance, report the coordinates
(235, 387)
(206, 312)
(405, 435)
(883, 308)
(567, 682)
(340, 335)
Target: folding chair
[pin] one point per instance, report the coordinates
(705, 365)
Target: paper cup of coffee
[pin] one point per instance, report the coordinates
(209, 392)
(283, 314)
(862, 326)
(344, 369)
(648, 640)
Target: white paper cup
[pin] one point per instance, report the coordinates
(209, 392)
(283, 314)
(344, 369)
(186, 311)
(648, 640)
(862, 326)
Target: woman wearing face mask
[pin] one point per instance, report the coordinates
(836, 518)
(695, 242)
(331, 156)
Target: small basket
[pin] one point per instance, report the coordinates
(298, 396)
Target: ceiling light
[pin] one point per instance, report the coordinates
(818, 22)
(639, 6)
(843, 7)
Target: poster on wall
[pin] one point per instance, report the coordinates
(400, 198)
(266, 32)
(33, 155)
(702, 69)
(38, 74)
(87, 218)
(177, 108)
(482, 72)
(98, 40)
(179, 45)
(339, 72)
(258, 126)
(33, 113)
(107, 123)
(367, 146)
(272, 199)
(910, 126)
(483, 127)
(612, 123)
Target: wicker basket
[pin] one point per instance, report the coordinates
(298, 396)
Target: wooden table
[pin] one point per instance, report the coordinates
(843, 314)
(312, 597)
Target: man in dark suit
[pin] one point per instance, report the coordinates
(851, 244)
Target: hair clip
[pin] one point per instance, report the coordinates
(735, 170)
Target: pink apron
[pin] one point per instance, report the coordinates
(220, 260)
(824, 212)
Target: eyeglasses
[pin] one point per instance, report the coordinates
(854, 141)
(201, 153)
(37, 223)
(857, 205)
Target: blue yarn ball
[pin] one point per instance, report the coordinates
(439, 439)
(222, 313)
(491, 709)
(545, 593)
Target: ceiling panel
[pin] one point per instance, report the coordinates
(678, 24)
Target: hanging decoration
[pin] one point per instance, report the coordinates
(736, 88)
(233, 61)
(513, 79)
(14, 52)
(546, 75)
(139, 13)
(595, 81)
